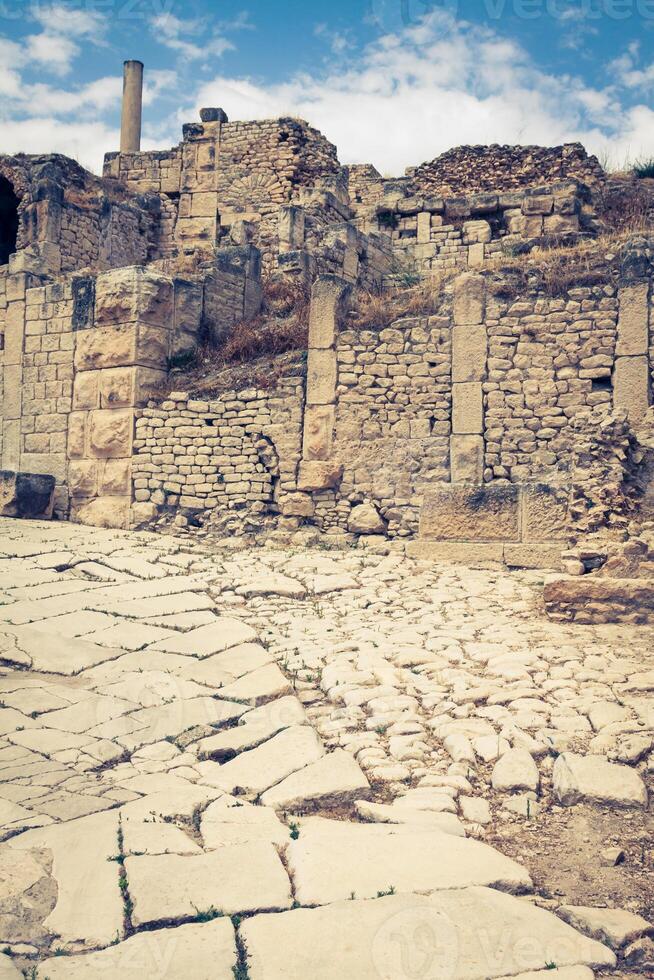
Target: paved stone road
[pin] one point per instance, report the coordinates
(284, 765)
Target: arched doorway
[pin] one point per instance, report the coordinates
(8, 220)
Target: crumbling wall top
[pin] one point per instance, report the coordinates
(492, 168)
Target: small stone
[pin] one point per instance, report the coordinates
(475, 809)
(611, 856)
(515, 770)
(613, 926)
(591, 779)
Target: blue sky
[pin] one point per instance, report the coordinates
(392, 82)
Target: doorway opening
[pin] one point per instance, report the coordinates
(8, 220)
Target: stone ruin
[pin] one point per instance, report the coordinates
(451, 431)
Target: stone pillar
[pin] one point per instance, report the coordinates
(14, 341)
(318, 469)
(469, 357)
(118, 362)
(631, 382)
(291, 227)
(130, 127)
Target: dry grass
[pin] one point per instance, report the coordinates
(555, 270)
(378, 309)
(251, 354)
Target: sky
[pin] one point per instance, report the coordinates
(391, 82)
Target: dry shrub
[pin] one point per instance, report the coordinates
(378, 309)
(250, 339)
(626, 206)
(554, 271)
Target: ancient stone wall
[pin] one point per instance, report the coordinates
(71, 220)
(489, 168)
(549, 359)
(439, 234)
(234, 452)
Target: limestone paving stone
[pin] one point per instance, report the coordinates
(230, 820)
(471, 934)
(89, 908)
(210, 639)
(615, 927)
(262, 685)
(231, 879)
(189, 952)
(591, 779)
(330, 860)
(255, 771)
(334, 780)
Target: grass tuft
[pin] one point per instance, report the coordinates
(644, 168)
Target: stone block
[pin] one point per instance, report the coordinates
(633, 322)
(424, 227)
(297, 505)
(85, 390)
(477, 232)
(148, 384)
(456, 512)
(466, 459)
(26, 495)
(468, 408)
(11, 444)
(204, 205)
(12, 400)
(50, 464)
(14, 333)
(469, 299)
(83, 477)
(328, 301)
(115, 477)
(469, 353)
(133, 295)
(561, 224)
(476, 255)
(106, 348)
(111, 512)
(534, 555)
(457, 552)
(153, 346)
(321, 377)
(631, 390)
(318, 431)
(110, 433)
(77, 434)
(544, 512)
(291, 226)
(319, 475)
(117, 387)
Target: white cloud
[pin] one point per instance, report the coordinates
(438, 84)
(75, 22)
(53, 51)
(175, 33)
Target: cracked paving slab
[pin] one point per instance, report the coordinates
(342, 752)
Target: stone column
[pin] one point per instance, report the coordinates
(119, 360)
(318, 469)
(469, 356)
(631, 382)
(130, 127)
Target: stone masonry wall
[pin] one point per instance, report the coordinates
(487, 168)
(432, 234)
(235, 452)
(549, 359)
